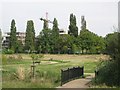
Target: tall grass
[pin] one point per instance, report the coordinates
(21, 73)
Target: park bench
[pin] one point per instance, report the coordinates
(38, 62)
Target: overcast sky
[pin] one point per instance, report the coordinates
(100, 16)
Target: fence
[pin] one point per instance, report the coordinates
(71, 73)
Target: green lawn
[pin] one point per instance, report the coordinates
(17, 73)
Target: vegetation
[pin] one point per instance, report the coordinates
(16, 71)
(108, 71)
(30, 37)
(50, 41)
(73, 29)
(13, 37)
(90, 42)
(55, 37)
(0, 39)
(16, 68)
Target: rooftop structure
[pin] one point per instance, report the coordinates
(62, 31)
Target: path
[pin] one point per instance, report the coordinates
(78, 83)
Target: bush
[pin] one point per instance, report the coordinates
(7, 51)
(107, 73)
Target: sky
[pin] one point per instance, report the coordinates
(101, 16)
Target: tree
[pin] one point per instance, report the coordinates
(73, 29)
(109, 70)
(65, 41)
(55, 28)
(83, 23)
(99, 44)
(65, 49)
(19, 48)
(30, 37)
(112, 44)
(0, 39)
(55, 36)
(13, 37)
(44, 39)
(89, 41)
(86, 40)
(74, 49)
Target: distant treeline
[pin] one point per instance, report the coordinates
(50, 41)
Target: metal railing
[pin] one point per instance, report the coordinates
(71, 73)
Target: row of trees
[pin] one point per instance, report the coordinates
(50, 41)
(86, 42)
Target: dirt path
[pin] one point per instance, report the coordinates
(78, 83)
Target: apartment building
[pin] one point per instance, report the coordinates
(6, 38)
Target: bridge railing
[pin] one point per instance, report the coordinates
(71, 73)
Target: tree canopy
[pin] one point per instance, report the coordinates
(73, 29)
(51, 41)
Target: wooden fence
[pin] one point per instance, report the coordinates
(71, 73)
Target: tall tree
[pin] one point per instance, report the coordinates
(83, 23)
(13, 37)
(73, 29)
(55, 36)
(55, 28)
(30, 37)
(44, 40)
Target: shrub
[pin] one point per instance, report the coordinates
(7, 51)
(107, 73)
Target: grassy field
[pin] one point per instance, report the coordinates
(17, 69)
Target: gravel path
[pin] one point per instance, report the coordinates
(78, 83)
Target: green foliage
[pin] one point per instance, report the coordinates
(48, 39)
(65, 49)
(83, 23)
(75, 49)
(109, 71)
(54, 37)
(90, 42)
(47, 75)
(0, 39)
(65, 43)
(7, 51)
(73, 29)
(13, 37)
(30, 37)
(20, 47)
(44, 41)
(112, 44)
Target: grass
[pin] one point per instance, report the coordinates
(47, 73)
